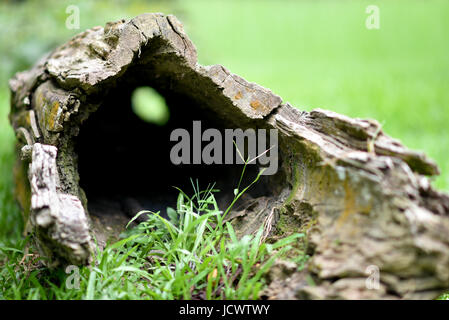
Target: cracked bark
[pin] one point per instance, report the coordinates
(361, 197)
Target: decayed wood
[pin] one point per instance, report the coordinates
(362, 199)
(57, 217)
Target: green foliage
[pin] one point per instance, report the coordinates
(444, 297)
(194, 255)
(10, 219)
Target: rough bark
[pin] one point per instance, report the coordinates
(361, 197)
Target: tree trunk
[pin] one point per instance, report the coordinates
(362, 199)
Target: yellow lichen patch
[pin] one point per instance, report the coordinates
(27, 119)
(256, 105)
(238, 96)
(350, 205)
(259, 106)
(53, 116)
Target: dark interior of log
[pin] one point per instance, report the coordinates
(124, 162)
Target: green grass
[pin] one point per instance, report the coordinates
(319, 54)
(194, 255)
(10, 218)
(444, 297)
(312, 53)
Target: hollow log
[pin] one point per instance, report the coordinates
(85, 162)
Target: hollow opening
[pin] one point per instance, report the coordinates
(124, 160)
(150, 106)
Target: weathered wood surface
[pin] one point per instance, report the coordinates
(361, 197)
(59, 216)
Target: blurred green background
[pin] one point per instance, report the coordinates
(315, 53)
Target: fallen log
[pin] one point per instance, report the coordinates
(363, 200)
